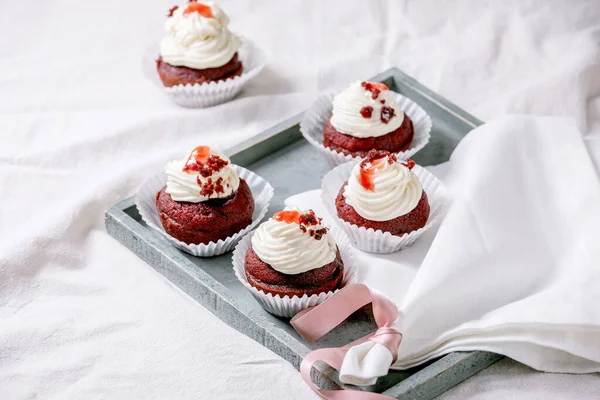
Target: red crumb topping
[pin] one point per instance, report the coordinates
(382, 101)
(371, 164)
(213, 165)
(200, 8)
(304, 221)
(202, 162)
(211, 187)
(172, 10)
(319, 233)
(409, 164)
(374, 87)
(308, 219)
(366, 112)
(387, 113)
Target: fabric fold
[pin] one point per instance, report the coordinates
(512, 268)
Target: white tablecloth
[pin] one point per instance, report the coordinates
(83, 123)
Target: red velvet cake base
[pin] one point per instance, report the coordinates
(172, 75)
(208, 221)
(263, 277)
(395, 141)
(399, 226)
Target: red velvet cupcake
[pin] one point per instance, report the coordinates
(383, 194)
(198, 48)
(366, 116)
(204, 200)
(292, 254)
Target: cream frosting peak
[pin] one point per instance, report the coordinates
(293, 242)
(198, 37)
(380, 188)
(202, 175)
(366, 109)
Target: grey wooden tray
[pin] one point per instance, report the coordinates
(212, 283)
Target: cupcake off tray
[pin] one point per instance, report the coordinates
(291, 165)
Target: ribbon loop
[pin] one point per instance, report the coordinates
(315, 322)
(388, 337)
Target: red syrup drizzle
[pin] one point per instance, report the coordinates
(304, 221)
(200, 8)
(375, 88)
(371, 164)
(200, 156)
(288, 216)
(366, 112)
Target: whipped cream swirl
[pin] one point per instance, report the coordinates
(366, 109)
(382, 189)
(198, 39)
(288, 246)
(186, 180)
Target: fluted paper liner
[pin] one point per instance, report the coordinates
(376, 241)
(286, 306)
(213, 93)
(145, 201)
(313, 123)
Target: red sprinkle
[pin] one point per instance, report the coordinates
(366, 112)
(213, 165)
(304, 221)
(374, 87)
(409, 164)
(387, 113)
(172, 10)
(211, 187)
(200, 8)
(319, 233)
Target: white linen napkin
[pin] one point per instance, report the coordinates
(514, 268)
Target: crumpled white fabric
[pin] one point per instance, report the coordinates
(364, 363)
(83, 122)
(513, 268)
(515, 261)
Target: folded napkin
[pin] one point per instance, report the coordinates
(514, 267)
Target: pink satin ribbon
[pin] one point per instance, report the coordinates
(315, 322)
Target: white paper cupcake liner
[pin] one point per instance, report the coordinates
(286, 306)
(213, 93)
(313, 123)
(376, 241)
(145, 200)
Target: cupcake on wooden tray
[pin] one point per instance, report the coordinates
(383, 194)
(204, 199)
(201, 62)
(292, 254)
(292, 261)
(363, 117)
(366, 116)
(382, 203)
(202, 203)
